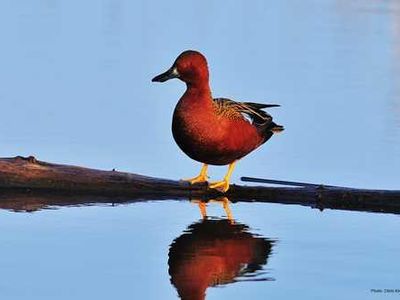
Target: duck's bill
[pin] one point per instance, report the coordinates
(170, 74)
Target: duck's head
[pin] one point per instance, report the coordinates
(190, 67)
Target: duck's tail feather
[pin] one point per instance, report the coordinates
(270, 130)
(275, 128)
(260, 105)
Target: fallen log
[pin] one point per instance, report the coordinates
(29, 184)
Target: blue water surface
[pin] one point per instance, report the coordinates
(123, 252)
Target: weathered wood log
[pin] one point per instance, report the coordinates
(28, 184)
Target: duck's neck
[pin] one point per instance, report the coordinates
(198, 92)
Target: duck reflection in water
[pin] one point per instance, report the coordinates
(216, 251)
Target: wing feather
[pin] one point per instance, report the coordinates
(254, 111)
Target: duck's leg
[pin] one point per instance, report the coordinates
(223, 185)
(202, 177)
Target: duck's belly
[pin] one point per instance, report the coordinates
(214, 141)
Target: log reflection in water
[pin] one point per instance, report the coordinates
(213, 252)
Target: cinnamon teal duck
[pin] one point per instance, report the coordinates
(214, 131)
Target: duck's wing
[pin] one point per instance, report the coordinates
(253, 111)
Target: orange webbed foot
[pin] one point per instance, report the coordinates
(202, 177)
(221, 186)
(197, 179)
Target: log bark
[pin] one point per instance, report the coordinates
(28, 184)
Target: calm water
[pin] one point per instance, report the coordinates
(154, 250)
(75, 88)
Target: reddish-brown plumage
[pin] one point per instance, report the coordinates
(207, 137)
(199, 129)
